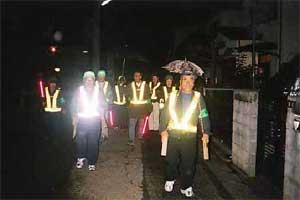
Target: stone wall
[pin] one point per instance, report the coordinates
(292, 156)
(244, 138)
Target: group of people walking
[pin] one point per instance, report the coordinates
(174, 113)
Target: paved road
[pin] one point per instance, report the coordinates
(124, 172)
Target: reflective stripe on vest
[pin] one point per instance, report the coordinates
(184, 123)
(153, 96)
(139, 100)
(166, 94)
(119, 102)
(51, 107)
(105, 87)
(150, 86)
(88, 106)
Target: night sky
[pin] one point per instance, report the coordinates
(143, 32)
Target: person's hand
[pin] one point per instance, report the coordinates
(164, 136)
(205, 138)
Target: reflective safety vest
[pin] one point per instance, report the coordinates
(51, 107)
(140, 99)
(88, 106)
(153, 96)
(183, 124)
(166, 94)
(119, 102)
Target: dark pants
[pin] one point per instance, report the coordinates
(136, 126)
(54, 125)
(120, 115)
(87, 139)
(181, 154)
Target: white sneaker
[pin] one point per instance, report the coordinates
(169, 186)
(187, 192)
(92, 167)
(80, 163)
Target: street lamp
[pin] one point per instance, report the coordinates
(105, 2)
(57, 69)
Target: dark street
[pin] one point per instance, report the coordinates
(156, 99)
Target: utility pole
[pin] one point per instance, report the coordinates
(96, 38)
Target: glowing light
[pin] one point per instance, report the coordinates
(57, 69)
(85, 51)
(89, 107)
(105, 2)
(111, 118)
(52, 49)
(42, 89)
(144, 128)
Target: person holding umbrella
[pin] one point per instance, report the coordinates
(183, 111)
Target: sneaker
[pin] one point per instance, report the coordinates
(130, 143)
(169, 186)
(92, 167)
(187, 192)
(80, 163)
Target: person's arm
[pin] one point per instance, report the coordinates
(74, 106)
(204, 120)
(61, 101)
(147, 94)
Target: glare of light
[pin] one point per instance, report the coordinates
(57, 69)
(111, 118)
(144, 128)
(105, 2)
(85, 51)
(42, 89)
(53, 49)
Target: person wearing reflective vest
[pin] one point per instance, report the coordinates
(120, 116)
(155, 92)
(105, 87)
(53, 110)
(88, 106)
(166, 90)
(139, 106)
(179, 120)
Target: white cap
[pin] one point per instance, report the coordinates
(89, 74)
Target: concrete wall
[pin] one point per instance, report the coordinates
(244, 138)
(292, 158)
